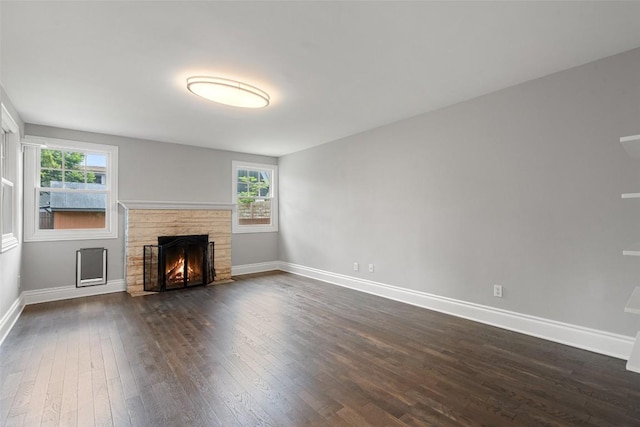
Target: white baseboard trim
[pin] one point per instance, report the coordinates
(10, 317)
(259, 267)
(67, 292)
(610, 344)
(598, 341)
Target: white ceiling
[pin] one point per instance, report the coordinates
(332, 68)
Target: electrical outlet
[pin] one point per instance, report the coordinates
(356, 266)
(497, 291)
(370, 268)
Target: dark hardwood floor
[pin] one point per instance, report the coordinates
(278, 349)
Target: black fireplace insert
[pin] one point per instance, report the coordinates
(178, 262)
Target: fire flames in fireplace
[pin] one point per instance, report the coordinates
(175, 273)
(178, 267)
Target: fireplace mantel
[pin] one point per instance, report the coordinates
(161, 205)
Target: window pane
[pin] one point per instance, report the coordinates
(73, 160)
(7, 208)
(96, 161)
(50, 178)
(72, 210)
(74, 179)
(243, 189)
(263, 188)
(51, 159)
(252, 183)
(97, 169)
(254, 212)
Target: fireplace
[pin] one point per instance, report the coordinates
(178, 262)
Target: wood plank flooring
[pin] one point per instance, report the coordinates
(282, 350)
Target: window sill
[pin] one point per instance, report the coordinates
(254, 229)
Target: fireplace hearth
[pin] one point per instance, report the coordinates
(178, 262)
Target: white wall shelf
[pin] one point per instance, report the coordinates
(632, 145)
(633, 305)
(630, 138)
(633, 250)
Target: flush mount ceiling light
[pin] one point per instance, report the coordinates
(228, 92)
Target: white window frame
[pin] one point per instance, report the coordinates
(8, 175)
(255, 228)
(32, 231)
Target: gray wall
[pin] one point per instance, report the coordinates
(147, 170)
(10, 261)
(519, 188)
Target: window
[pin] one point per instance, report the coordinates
(255, 194)
(70, 190)
(8, 174)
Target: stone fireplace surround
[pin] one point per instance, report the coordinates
(146, 220)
